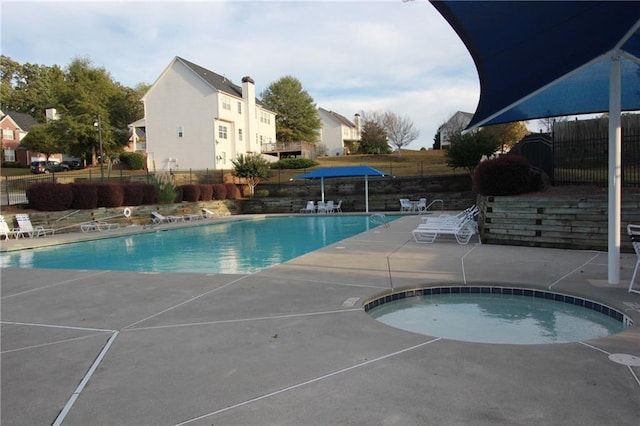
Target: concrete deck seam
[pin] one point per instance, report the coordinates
(53, 343)
(572, 271)
(186, 301)
(314, 380)
(308, 314)
(54, 285)
(262, 274)
(633, 373)
(58, 421)
(66, 327)
(464, 274)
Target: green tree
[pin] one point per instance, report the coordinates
(400, 130)
(466, 150)
(41, 138)
(507, 134)
(373, 137)
(296, 114)
(253, 168)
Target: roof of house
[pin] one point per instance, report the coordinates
(217, 81)
(339, 118)
(23, 120)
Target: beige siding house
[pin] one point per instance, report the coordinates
(197, 119)
(338, 134)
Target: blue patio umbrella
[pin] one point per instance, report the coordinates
(540, 59)
(347, 171)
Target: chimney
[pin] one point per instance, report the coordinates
(358, 123)
(248, 89)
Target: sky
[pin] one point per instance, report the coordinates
(350, 56)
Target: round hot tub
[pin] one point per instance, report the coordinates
(497, 315)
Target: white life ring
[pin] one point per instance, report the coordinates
(127, 212)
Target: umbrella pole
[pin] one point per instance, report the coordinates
(322, 188)
(614, 169)
(366, 193)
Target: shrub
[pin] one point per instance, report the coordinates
(133, 194)
(13, 165)
(190, 192)
(110, 195)
(206, 192)
(233, 193)
(294, 163)
(219, 191)
(85, 196)
(134, 160)
(261, 193)
(165, 188)
(148, 193)
(504, 175)
(48, 196)
(179, 195)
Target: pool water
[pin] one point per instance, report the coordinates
(238, 247)
(496, 318)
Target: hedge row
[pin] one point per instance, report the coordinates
(47, 196)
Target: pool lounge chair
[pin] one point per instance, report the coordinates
(5, 230)
(158, 218)
(634, 234)
(98, 226)
(337, 208)
(462, 230)
(25, 227)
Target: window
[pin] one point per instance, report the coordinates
(240, 135)
(239, 107)
(222, 132)
(226, 103)
(180, 131)
(7, 134)
(9, 155)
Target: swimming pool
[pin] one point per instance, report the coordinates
(238, 247)
(497, 315)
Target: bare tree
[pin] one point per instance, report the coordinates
(400, 130)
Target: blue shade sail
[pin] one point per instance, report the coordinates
(545, 59)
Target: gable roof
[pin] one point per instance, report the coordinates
(339, 118)
(23, 120)
(216, 81)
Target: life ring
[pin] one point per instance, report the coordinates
(127, 212)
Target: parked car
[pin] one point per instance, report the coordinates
(73, 164)
(51, 166)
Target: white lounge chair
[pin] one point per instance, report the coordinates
(25, 227)
(427, 233)
(98, 226)
(190, 216)
(309, 208)
(158, 218)
(634, 234)
(5, 230)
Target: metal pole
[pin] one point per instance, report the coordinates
(100, 142)
(615, 142)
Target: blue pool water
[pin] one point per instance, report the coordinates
(237, 247)
(496, 318)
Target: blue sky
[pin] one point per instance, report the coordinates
(351, 56)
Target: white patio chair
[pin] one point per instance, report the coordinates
(309, 208)
(337, 208)
(329, 207)
(405, 205)
(634, 234)
(321, 207)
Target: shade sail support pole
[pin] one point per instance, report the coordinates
(322, 188)
(366, 193)
(615, 183)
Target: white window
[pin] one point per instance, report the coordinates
(9, 155)
(180, 131)
(239, 107)
(7, 134)
(226, 103)
(222, 132)
(240, 134)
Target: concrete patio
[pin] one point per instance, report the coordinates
(291, 345)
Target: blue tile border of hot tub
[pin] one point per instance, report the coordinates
(526, 292)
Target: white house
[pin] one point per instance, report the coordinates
(197, 119)
(457, 123)
(338, 133)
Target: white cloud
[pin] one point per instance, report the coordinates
(350, 56)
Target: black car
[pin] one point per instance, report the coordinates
(72, 164)
(51, 166)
